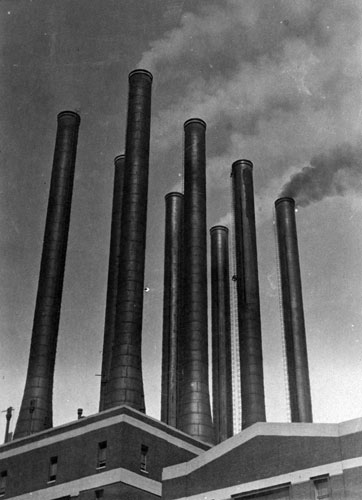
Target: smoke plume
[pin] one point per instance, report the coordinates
(276, 82)
(334, 173)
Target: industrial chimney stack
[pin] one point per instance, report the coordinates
(36, 412)
(251, 357)
(293, 314)
(194, 414)
(113, 271)
(221, 334)
(125, 384)
(172, 306)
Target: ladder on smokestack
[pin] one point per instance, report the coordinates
(236, 385)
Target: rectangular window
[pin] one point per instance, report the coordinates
(102, 454)
(3, 479)
(144, 451)
(321, 487)
(281, 492)
(98, 494)
(53, 467)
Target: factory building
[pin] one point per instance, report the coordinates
(117, 453)
(123, 454)
(120, 452)
(275, 461)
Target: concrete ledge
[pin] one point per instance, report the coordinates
(121, 414)
(73, 488)
(262, 429)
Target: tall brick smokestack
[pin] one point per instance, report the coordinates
(126, 383)
(113, 271)
(36, 412)
(194, 414)
(172, 306)
(251, 357)
(221, 334)
(293, 314)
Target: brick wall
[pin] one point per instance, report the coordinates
(28, 469)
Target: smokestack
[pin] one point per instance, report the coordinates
(293, 315)
(221, 334)
(113, 271)
(194, 414)
(172, 306)
(251, 356)
(36, 409)
(126, 384)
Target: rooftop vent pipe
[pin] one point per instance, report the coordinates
(36, 412)
(8, 434)
(293, 314)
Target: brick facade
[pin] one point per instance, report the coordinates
(123, 454)
(74, 449)
(267, 456)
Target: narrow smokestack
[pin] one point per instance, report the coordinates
(293, 315)
(172, 306)
(126, 384)
(251, 357)
(221, 334)
(194, 414)
(113, 269)
(36, 409)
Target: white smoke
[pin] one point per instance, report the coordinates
(276, 82)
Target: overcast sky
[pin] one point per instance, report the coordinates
(278, 83)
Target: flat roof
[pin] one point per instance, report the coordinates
(261, 429)
(100, 420)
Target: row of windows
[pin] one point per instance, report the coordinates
(101, 460)
(101, 463)
(102, 456)
(320, 485)
(97, 494)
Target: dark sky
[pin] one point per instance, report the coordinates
(278, 82)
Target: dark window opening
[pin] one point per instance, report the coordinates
(281, 492)
(3, 479)
(144, 451)
(102, 454)
(99, 494)
(53, 468)
(321, 487)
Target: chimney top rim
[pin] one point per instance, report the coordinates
(200, 121)
(287, 199)
(119, 157)
(74, 114)
(173, 193)
(219, 227)
(141, 72)
(243, 162)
